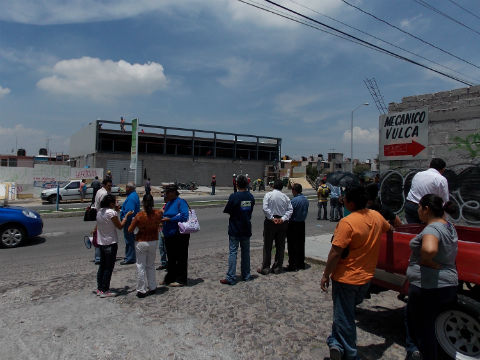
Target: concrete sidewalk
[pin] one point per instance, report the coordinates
(317, 248)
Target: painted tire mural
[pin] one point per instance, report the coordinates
(463, 188)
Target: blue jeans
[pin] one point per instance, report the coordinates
(129, 246)
(244, 242)
(344, 331)
(163, 251)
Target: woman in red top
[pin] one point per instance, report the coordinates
(146, 242)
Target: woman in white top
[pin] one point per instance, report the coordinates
(107, 225)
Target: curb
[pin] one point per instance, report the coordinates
(316, 260)
(62, 214)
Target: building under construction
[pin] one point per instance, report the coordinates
(167, 154)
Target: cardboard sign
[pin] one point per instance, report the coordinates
(404, 135)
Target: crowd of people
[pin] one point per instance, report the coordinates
(351, 262)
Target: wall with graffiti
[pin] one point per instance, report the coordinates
(463, 184)
(31, 181)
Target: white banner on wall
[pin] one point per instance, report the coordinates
(33, 180)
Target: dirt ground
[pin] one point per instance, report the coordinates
(285, 316)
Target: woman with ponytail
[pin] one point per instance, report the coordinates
(146, 242)
(432, 274)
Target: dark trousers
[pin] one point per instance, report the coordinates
(411, 213)
(322, 205)
(423, 306)
(278, 233)
(213, 190)
(177, 254)
(108, 256)
(296, 244)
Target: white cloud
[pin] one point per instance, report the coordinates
(19, 129)
(79, 11)
(362, 136)
(4, 91)
(103, 79)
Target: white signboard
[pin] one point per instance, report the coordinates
(404, 135)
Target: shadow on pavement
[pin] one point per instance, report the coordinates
(123, 291)
(34, 241)
(382, 322)
(193, 282)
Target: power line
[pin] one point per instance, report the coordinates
(370, 44)
(384, 41)
(428, 6)
(464, 9)
(269, 10)
(410, 34)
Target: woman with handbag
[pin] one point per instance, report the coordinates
(107, 223)
(176, 211)
(146, 243)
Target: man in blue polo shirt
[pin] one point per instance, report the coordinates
(240, 207)
(296, 230)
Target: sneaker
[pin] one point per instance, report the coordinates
(335, 354)
(108, 294)
(99, 293)
(141, 295)
(225, 282)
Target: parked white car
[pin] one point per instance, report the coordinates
(71, 192)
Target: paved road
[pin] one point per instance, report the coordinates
(62, 240)
(37, 204)
(49, 311)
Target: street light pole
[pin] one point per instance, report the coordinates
(351, 135)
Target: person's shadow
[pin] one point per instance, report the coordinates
(385, 323)
(193, 282)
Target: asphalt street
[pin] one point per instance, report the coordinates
(61, 244)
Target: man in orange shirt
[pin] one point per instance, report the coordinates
(351, 264)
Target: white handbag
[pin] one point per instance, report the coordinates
(191, 225)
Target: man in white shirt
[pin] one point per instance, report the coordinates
(278, 210)
(430, 181)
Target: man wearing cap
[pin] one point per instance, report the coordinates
(278, 210)
(213, 184)
(131, 203)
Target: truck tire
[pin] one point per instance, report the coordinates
(458, 329)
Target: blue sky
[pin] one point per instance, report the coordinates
(216, 65)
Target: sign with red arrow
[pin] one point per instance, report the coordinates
(413, 149)
(404, 135)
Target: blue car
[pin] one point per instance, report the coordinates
(17, 224)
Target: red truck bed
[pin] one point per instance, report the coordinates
(395, 252)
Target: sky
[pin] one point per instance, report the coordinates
(221, 65)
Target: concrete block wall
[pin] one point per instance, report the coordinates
(452, 114)
(183, 169)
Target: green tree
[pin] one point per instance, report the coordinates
(360, 168)
(312, 172)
